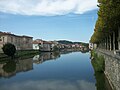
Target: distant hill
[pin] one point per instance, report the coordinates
(70, 42)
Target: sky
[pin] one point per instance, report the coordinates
(72, 20)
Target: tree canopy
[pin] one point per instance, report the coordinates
(9, 49)
(108, 19)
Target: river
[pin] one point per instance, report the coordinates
(52, 71)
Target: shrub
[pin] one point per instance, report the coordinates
(9, 49)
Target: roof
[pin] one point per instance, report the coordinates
(38, 41)
(47, 42)
(9, 33)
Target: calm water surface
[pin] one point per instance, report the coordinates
(50, 71)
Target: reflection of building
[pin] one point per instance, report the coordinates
(21, 66)
(45, 57)
(21, 42)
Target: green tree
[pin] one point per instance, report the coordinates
(9, 49)
(108, 19)
(55, 48)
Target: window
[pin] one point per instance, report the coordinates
(0, 39)
(3, 39)
(35, 46)
(11, 39)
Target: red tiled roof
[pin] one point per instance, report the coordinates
(47, 42)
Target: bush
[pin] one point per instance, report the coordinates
(9, 49)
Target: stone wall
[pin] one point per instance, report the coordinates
(112, 68)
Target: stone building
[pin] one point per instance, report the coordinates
(42, 45)
(20, 42)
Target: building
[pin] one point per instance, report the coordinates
(42, 45)
(20, 42)
(37, 44)
(92, 46)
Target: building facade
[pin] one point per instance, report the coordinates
(20, 42)
(42, 45)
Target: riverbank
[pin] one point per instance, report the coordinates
(98, 63)
(111, 67)
(19, 54)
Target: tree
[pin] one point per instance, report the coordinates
(108, 19)
(55, 48)
(9, 49)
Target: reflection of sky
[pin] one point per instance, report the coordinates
(50, 85)
(69, 72)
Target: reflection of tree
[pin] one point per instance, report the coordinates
(56, 55)
(101, 81)
(85, 51)
(10, 67)
(66, 52)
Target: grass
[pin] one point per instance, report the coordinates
(22, 54)
(98, 62)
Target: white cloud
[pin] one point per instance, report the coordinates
(50, 85)
(47, 7)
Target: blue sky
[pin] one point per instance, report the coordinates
(74, 25)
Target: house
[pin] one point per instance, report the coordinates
(92, 46)
(20, 42)
(42, 45)
(37, 44)
(47, 46)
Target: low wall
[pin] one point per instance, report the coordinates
(112, 68)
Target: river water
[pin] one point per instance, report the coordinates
(51, 71)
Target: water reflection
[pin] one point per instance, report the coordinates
(101, 80)
(51, 85)
(71, 71)
(45, 57)
(10, 68)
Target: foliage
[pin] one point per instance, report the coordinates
(108, 19)
(98, 62)
(55, 48)
(70, 42)
(98, 66)
(9, 49)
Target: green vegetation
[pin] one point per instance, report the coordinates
(22, 54)
(55, 48)
(98, 62)
(69, 42)
(108, 20)
(10, 67)
(99, 67)
(9, 49)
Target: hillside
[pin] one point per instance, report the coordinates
(70, 42)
